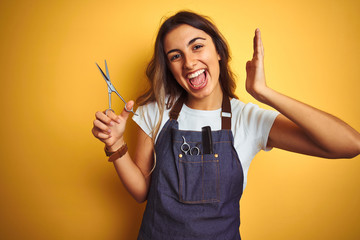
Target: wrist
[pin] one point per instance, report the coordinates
(115, 146)
(117, 154)
(263, 95)
(269, 96)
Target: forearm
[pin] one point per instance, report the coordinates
(109, 128)
(330, 133)
(305, 129)
(131, 176)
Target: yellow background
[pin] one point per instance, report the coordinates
(55, 181)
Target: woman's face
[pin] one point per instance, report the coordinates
(194, 62)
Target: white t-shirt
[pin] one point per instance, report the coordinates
(250, 125)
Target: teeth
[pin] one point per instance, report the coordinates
(197, 73)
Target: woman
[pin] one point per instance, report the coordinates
(193, 192)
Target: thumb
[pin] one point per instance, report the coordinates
(126, 111)
(248, 66)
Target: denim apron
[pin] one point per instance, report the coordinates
(194, 197)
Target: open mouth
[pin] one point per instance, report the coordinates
(198, 79)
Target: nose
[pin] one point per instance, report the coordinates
(189, 61)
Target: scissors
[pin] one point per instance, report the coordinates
(111, 89)
(187, 150)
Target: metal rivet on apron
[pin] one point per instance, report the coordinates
(180, 155)
(216, 155)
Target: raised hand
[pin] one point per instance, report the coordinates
(255, 75)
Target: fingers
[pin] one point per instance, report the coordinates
(102, 124)
(98, 133)
(258, 45)
(113, 117)
(101, 116)
(107, 119)
(108, 126)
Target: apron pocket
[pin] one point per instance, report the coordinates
(198, 178)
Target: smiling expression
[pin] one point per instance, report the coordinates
(194, 63)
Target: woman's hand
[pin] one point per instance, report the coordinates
(134, 173)
(299, 128)
(255, 75)
(110, 128)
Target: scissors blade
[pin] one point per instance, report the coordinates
(105, 77)
(119, 95)
(111, 88)
(107, 71)
(107, 80)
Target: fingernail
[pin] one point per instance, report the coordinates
(109, 130)
(118, 120)
(112, 123)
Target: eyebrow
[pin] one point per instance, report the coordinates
(189, 43)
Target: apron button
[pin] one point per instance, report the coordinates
(216, 155)
(180, 155)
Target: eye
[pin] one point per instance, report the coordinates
(175, 56)
(198, 46)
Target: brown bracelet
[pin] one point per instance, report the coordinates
(118, 153)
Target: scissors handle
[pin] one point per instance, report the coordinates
(187, 150)
(128, 110)
(109, 109)
(194, 151)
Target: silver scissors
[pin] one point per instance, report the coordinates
(187, 150)
(111, 89)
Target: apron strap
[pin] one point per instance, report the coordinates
(175, 110)
(225, 113)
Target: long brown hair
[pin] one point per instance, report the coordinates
(162, 82)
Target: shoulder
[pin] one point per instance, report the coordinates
(248, 109)
(148, 115)
(251, 124)
(151, 108)
(236, 105)
(250, 116)
(240, 109)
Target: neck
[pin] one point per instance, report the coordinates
(211, 102)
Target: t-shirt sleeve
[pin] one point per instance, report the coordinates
(147, 117)
(258, 123)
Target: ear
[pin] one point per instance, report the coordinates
(219, 58)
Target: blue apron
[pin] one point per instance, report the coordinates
(194, 197)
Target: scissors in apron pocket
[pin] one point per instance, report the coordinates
(187, 150)
(111, 89)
